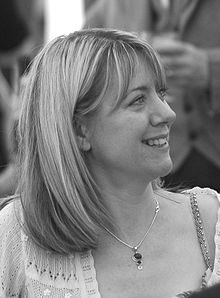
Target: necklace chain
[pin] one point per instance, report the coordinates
(137, 257)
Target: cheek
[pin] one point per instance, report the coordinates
(108, 137)
(118, 135)
(113, 139)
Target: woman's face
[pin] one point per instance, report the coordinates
(131, 140)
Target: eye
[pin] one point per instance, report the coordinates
(162, 93)
(139, 100)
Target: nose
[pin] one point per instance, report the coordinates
(162, 113)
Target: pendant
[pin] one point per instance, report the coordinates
(137, 258)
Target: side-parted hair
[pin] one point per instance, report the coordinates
(68, 79)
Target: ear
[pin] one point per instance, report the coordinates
(82, 135)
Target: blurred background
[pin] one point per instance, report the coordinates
(63, 16)
(26, 25)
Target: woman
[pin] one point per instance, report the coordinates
(89, 218)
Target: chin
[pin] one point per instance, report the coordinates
(165, 168)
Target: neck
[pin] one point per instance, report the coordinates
(132, 211)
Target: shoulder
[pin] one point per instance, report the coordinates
(11, 263)
(208, 201)
(7, 214)
(9, 217)
(10, 228)
(208, 204)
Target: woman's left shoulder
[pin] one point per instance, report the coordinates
(208, 202)
(207, 198)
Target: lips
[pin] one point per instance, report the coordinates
(158, 141)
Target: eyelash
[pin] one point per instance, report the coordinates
(137, 100)
(162, 94)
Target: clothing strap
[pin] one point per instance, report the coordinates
(200, 230)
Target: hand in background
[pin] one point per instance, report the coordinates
(186, 66)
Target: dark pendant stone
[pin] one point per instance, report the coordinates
(137, 256)
(139, 262)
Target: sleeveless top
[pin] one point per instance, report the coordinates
(29, 271)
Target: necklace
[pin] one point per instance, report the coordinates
(137, 257)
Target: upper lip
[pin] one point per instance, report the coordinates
(160, 136)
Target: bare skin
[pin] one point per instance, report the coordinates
(172, 256)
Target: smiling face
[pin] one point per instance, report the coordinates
(131, 140)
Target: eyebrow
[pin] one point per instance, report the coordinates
(139, 88)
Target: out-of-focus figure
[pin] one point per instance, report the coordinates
(88, 4)
(187, 36)
(21, 36)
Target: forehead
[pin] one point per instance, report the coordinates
(121, 84)
(143, 75)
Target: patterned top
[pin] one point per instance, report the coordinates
(28, 271)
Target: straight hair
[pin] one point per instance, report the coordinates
(62, 207)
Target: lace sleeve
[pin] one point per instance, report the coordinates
(11, 264)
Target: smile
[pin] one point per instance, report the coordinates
(156, 142)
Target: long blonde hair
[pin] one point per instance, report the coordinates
(68, 79)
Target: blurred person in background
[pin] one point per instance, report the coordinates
(21, 36)
(88, 4)
(187, 36)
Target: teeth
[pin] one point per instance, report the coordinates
(156, 142)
